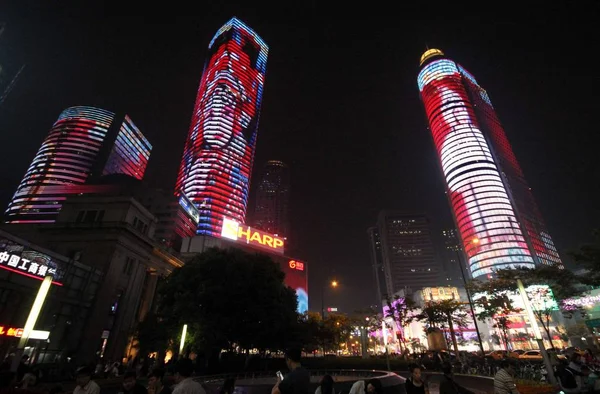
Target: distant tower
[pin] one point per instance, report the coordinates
(498, 220)
(402, 249)
(84, 141)
(271, 212)
(217, 158)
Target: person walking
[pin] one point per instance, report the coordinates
(504, 382)
(185, 384)
(415, 384)
(297, 381)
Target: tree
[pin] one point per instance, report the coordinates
(588, 257)
(445, 313)
(152, 335)
(547, 288)
(401, 310)
(230, 300)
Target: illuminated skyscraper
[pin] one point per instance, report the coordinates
(402, 250)
(84, 141)
(495, 213)
(217, 158)
(271, 212)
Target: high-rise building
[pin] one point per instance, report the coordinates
(403, 246)
(451, 256)
(499, 223)
(272, 199)
(377, 264)
(83, 142)
(217, 158)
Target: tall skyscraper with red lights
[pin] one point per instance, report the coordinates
(271, 211)
(495, 212)
(217, 159)
(84, 141)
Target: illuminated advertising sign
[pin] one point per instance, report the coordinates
(240, 232)
(24, 261)
(440, 293)
(540, 297)
(6, 331)
(296, 277)
(332, 309)
(189, 208)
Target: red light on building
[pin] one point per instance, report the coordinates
(297, 265)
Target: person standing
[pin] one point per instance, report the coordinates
(504, 382)
(415, 383)
(185, 384)
(155, 383)
(131, 385)
(85, 384)
(297, 381)
(326, 386)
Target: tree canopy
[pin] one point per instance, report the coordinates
(230, 299)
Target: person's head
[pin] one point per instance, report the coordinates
(83, 376)
(8, 379)
(507, 365)
(184, 369)
(374, 386)
(292, 358)
(129, 380)
(415, 371)
(447, 368)
(326, 384)
(155, 379)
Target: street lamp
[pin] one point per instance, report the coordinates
(464, 279)
(333, 284)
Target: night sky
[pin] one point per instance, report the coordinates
(341, 105)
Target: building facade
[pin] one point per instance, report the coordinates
(271, 212)
(381, 289)
(218, 155)
(113, 235)
(84, 142)
(452, 258)
(499, 223)
(403, 243)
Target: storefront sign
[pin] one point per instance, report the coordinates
(189, 207)
(6, 331)
(21, 260)
(240, 232)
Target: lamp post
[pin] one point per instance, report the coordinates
(536, 332)
(464, 279)
(333, 284)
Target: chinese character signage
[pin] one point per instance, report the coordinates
(22, 260)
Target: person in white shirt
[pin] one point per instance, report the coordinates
(185, 384)
(85, 384)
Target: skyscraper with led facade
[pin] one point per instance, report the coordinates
(495, 212)
(83, 142)
(217, 158)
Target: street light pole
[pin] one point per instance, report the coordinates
(464, 279)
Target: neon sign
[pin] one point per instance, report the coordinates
(296, 265)
(19, 259)
(240, 232)
(18, 333)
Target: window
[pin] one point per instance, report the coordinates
(128, 267)
(79, 218)
(90, 216)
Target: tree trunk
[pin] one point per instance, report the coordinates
(453, 335)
